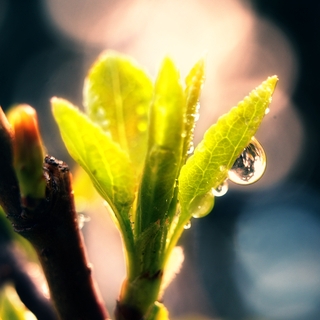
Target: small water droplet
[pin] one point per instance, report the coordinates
(198, 106)
(222, 168)
(101, 113)
(105, 124)
(191, 148)
(82, 219)
(202, 205)
(141, 110)
(196, 116)
(184, 134)
(267, 111)
(250, 165)
(142, 126)
(187, 225)
(221, 190)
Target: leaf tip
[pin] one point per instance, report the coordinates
(54, 102)
(271, 83)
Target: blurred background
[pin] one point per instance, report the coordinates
(256, 256)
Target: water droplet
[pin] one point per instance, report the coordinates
(267, 111)
(105, 124)
(82, 219)
(141, 110)
(101, 113)
(184, 134)
(196, 116)
(198, 106)
(191, 148)
(222, 168)
(187, 225)
(202, 205)
(250, 165)
(142, 126)
(221, 190)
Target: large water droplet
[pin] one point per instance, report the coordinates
(202, 205)
(250, 165)
(221, 190)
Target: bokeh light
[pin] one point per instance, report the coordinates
(277, 264)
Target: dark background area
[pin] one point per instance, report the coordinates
(212, 247)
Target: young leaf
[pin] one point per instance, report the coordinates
(117, 95)
(194, 82)
(107, 165)
(28, 151)
(165, 144)
(221, 145)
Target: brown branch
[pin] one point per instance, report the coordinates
(14, 271)
(52, 228)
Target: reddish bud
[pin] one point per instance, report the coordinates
(28, 151)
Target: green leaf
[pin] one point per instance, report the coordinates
(194, 82)
(10, 305)
(165, 145)
(107, 165)
(117, 96)
(222, 144)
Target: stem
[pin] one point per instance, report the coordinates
(14, 271)
(52, 228)
(138, 296)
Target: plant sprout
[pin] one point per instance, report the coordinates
(135, 141)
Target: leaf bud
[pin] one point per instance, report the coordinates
(28, 152)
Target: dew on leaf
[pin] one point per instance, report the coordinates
(201, 205)
(187, 225)
(191, 148)
(196, 116)
(142, 126)
(221, 190)
(267, 111)
(250, 165)
(101, 113)
(141, 110)
(82, 219)
(105, 124)
(184, 134)
(198, 107)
